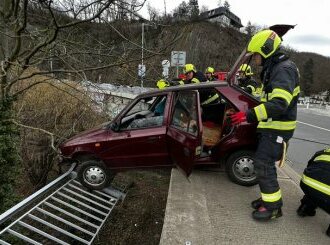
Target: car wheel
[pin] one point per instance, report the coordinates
(240, 168)
(94, 175)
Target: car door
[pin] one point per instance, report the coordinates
(185, 130)
(141, 142)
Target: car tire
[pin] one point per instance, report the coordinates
(240, 168)
(94, 175)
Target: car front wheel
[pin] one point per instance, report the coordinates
(94, 175)
(240, 168)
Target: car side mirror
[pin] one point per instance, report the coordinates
(115, 126)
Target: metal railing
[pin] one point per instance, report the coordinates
(62, 212)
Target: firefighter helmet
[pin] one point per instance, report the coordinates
(265, 43)
(162, 84)
(246, 69)
(188, 68)
(209, 70)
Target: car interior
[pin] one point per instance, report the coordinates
(148, 112)
(214, 119)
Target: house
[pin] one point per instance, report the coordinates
(223, 16)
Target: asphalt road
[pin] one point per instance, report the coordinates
(313, 126)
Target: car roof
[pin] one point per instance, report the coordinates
(192, 86)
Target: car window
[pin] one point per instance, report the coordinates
(147, 112)
(185, 113)
(142, 105)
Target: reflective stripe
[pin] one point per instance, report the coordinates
(317, 185)
(296, 91)
(273, 197)
(253, 89)
(325, 158)
(261, 112)
(258, 91)
(281, 93)
(211, 99)
(327, 150)
(279, 125)
(195, 80)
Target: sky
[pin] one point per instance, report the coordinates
(312, 33)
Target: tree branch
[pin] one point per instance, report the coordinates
(51, 135)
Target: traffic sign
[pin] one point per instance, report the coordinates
(141, 70)
(178, 58)
(166, 63)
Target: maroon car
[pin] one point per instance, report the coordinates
(164, 128)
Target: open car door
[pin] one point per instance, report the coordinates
(185, 130)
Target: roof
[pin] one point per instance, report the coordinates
(191, 86)
(234, 20)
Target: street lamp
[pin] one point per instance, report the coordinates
(142, 68)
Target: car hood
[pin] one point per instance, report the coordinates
(92, 135)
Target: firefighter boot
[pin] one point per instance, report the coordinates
(256, 203)
(328, 231)
(305, 210)
(263, 214)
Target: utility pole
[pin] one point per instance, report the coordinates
(142, 41)
(165, 7)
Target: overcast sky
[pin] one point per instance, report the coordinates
(312, 33)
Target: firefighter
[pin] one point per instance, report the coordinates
(315, 183)
(207, 97)
(276, 117)
(192, 75)
(245, 79)
(209, 74)
(162, 83)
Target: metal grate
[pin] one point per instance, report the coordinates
(69, 214)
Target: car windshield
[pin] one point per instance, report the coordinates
(144, 104)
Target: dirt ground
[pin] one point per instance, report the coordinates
(139, 219)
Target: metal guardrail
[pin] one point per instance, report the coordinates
(67, 213)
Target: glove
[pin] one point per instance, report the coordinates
(238, 117)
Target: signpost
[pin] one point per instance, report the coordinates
(166, 65)
(141, 72)
(178, 59)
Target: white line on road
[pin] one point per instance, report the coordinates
(311, 125)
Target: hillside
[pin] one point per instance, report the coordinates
(206, 44)
(117, 46)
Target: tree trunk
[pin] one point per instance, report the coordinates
(9, 158)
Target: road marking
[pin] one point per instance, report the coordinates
(311, 125)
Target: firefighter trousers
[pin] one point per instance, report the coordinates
(269, 150)
(314, 199)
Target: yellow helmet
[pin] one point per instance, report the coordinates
(209, 70)
(264, 43)
(162, 84)
(189, 68)
(246, 69)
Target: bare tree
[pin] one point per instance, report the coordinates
(59, 38)
(153, 13)
(204, 8)
(226, 5)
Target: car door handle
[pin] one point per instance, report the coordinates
(153, 139)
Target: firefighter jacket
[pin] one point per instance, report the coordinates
(248, 84)
(317, 174)
(197, 78)
(277, 113)
(211, 79)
